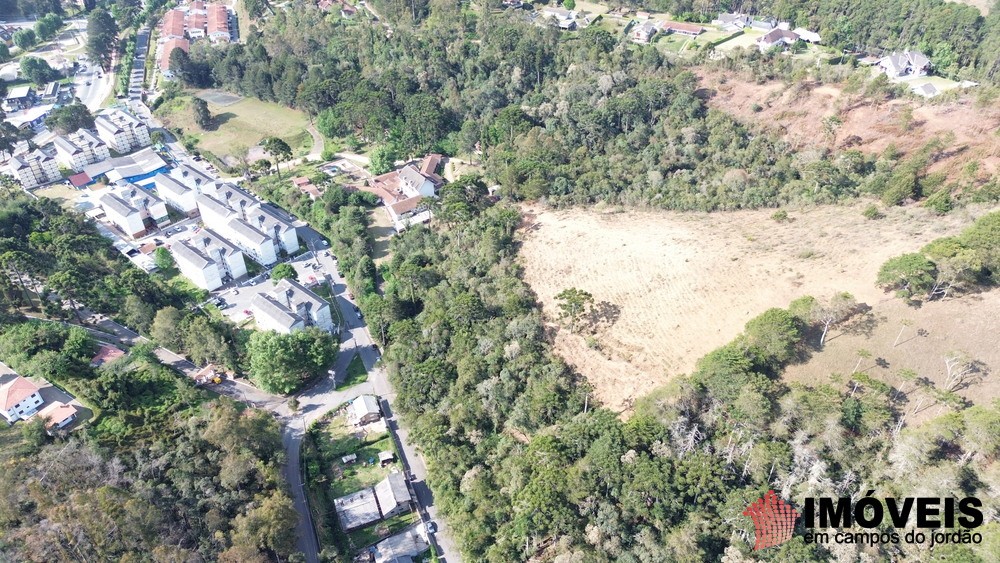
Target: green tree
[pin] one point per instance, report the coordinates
(383, 159)
(908, 275)
(569, 4)
(67, 119)
(102, 36)
(163, 259)
(772, 336)
(4, 53)
(47, 26)
(280, 363)
(167, 328)
(573, 304)
(25, 38)
(283, 271)
(278, 149)
(201, 114)
(38, 71)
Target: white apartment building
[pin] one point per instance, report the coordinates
(19, 398)
(122, 131)
(135, 211)
(79, 149)
(34, 169)
(208, 260)
(290, 307)
(258, 230)
(176, 194)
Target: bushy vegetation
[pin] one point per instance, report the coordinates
(949, 264)
(282, 363)
(162, 473)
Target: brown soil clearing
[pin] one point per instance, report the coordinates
(795, 113)
(675, 286)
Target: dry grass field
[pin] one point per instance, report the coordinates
(676, 286)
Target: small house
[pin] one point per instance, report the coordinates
(365, 409)
(644, 32)
(393, 495)
(349, 459)
(57, 415)
(776, 37)
(907, 64)
(19, 398)
(386, 458)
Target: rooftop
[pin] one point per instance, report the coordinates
(105, 354)
(392, 492)
(138, 163)
(14, 389)
(357, 509)
(56, 413)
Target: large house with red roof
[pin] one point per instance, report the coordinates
(402, 191)
(19, 398)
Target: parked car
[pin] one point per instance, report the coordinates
(431, 528)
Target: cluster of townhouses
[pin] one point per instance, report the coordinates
(113, 130)
(192, 22)
(21, 399)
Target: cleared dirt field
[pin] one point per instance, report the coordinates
(795, 112)
(675, 286)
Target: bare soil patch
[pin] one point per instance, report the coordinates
(674, 286)
(795, 112)
(967, 326)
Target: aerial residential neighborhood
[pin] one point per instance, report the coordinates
(383, 282)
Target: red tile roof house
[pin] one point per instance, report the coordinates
(19, 398)
(172, 26)
(168, 47)
(106, 354)
(402, 191)
(218, 23)
(57, 415)
(306, 186)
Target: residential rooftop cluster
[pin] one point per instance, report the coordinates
(403, 190)
(192, 22)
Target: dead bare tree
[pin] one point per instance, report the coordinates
(838, 309)
(905, 323)
(961, 371)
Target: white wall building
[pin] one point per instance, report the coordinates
(135, 211)
(290, 307)
(19, 398)
(34, 169)
(208, 260)
(122, 131)
(176, 194)
(79, 149)
(239, 217)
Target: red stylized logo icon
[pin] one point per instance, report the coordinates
(773, 520)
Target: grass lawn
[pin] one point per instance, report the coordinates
(193, 293)
(377, 532)
(12, 442)
(356, 372)
(748, 39)
(239, 125)
(323, 290)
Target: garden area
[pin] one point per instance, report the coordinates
(327, 443)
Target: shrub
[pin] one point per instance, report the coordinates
(780, 216)
(871, 213)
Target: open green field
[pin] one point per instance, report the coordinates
(356, 372)
(238, 125)
(748, 39)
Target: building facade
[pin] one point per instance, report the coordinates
(19, 398)
(34, 169)
(208, 260)
(122, 131)
(135, 211)
(290, 307)
(79, 149)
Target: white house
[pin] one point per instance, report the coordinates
(135, 211)
(807, 36)
(19, 398)
(776, 36)
(644, 32)
(79, 149)
(191, 177)
(290, 307)
(907, 64)
(122, 131)
(176, 195)
(208, 260)
(365, 409)
(34, 169)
